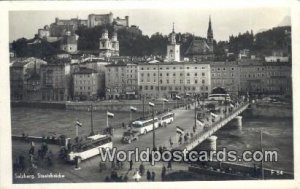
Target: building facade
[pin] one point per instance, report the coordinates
(85, 84)
(55, 80)
(226, 75)
(121, 81)
(21, 70)
(169, 79)
(259, 77)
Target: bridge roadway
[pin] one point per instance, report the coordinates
(201, 136)
(184, 119)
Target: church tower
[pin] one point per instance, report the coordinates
(210, 36)
(173, 49)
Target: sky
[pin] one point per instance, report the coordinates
(225, 22)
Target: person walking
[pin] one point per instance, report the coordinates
(163, 173)
(142, 169)
(148, 175)
(171, 142)
(153, 176)
(169, 165)
(130, 165)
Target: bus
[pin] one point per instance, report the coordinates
(90, 147)
(144, 126)
(219, 97)
(166, 118)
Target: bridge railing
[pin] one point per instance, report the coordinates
(214, 127)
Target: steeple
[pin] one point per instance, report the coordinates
(210, 34)
(173, 36)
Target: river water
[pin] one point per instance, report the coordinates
(277, 132)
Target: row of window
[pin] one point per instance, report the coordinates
(174, 74)
(176, 88)
(188, 81)
(84, 82)
(174, 68)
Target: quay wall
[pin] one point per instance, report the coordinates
(34, 104)
(115, 106)
(270, 110)
(120, 106)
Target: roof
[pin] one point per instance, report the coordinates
(85, 71)
(218, 90)
(198, 47)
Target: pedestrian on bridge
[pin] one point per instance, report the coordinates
(142, 169)
(130, 165)
(180, 139)
(169, 165)
(153, 176)
(171, 142)
(148, 175)
(163, 173)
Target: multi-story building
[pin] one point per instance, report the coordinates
(108, 47)
(55, 80)
(225, 75)
(121, 81)
(258, 77)
(85, 84)
(21, 69)
(168, 79)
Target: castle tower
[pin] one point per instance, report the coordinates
(210, 36)
(115, 44)
(173, 49)
(105, 34)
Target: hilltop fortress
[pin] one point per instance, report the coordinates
(61, 26)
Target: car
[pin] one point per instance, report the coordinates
(129, 136)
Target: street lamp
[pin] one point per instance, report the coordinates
(164, 100)
(92, 126)
(152, 106)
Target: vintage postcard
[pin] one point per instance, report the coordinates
(149, 94)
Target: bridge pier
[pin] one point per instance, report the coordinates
(237, 122)
(210, 143)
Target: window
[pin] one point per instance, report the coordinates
(174, 74)
(188, 74)
(187, 67)
(188, 81)
(195, 74)
(154, 74)
(203, 74)
(167, 74)
(196, 81)
(151, 87)
(203, 81)
(160, 74)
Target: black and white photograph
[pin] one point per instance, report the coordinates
(151, 94)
